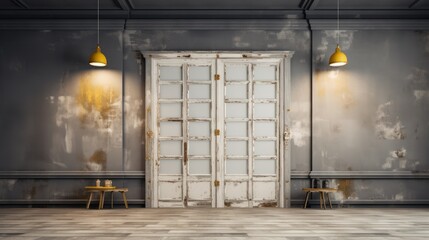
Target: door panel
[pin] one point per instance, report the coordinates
(185, 121)
(216, 141)
(251, 126)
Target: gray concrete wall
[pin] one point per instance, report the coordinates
(372, 115)
(64, 124)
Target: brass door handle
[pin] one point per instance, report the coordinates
(286, 135)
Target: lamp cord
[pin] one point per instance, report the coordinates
(98, 22)
(338, 22)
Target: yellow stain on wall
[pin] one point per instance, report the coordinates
(93, 95)
(346, 186)
(335, 83)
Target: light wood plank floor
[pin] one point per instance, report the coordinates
(267, 223)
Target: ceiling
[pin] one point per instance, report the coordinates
(205, 9)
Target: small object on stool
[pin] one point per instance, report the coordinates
(321, 192)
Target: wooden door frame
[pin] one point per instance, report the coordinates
(151, 115)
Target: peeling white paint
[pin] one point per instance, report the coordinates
(134, 109)
(339, 195)
(157, 40)
(286, 35)
(271, 45)
(65, 110)
(396, 156)
(127, 36)
(68, 138)
(385, 128)
(300, 131)
(398, 153)
(399, 197)
(11, 184)
(403, 163)
(415, 164)
(92, 166)
(239, 43)
(388, 163)
(324, 154)
(300, 40)
(421, 95)
(60, 164)
(418, 78)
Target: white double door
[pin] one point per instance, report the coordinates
(215, 126)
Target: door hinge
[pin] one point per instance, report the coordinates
(216, 183)
(217, 77)
(217, 132)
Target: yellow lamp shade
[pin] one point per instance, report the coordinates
(97, 58)
(338, 58)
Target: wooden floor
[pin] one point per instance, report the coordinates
(268, 223)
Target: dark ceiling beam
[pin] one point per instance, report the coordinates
(21, 4)
(122, 4)
(415, 3)
(309, 4)
(131, 3)
(216, 14)
(368, 14)
(62, 14)
(313, 4)
(303, 4)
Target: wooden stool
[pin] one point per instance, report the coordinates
(321, 192)
(122, 191)
(102, 191)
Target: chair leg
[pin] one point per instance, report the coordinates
(320, 199)
(329, 200)
(89, 200)
(111, 199)
(323, 198)
(101, 203)
(125, 199)
(307, 195)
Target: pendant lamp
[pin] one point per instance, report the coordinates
(97, 58)
(338, 58)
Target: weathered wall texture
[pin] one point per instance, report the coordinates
(372, 115)
(59, 114)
